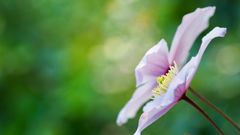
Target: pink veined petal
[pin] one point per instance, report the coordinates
(161, 105)
(140, 96)
(153, 64)
(192, 25)
(189, 70)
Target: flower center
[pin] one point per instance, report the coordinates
(163, 81)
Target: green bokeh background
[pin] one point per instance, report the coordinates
(67, 66)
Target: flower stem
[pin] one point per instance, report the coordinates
(207, 102)
(188, 100)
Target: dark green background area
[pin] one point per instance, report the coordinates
(67, 66)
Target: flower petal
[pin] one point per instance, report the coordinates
(153, 110)
(188, 71)
(140, 96)
(192, 25)
(153, 64)
(162, 104)
(216, 32)
(152, 115)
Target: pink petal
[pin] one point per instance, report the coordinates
(192, 25)
(188, 71)
(152, 115)
(161, 105)
(153, 64)
(140, 96)
(155, 109)
(216, 32)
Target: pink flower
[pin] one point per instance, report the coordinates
(163, 76)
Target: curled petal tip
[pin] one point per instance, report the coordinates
(223, 31)
(216, 32)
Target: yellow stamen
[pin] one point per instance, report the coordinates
(164, 81)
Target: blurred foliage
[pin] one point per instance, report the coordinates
(67, 66)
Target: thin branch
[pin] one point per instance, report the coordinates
(207, 102)
(188, 100)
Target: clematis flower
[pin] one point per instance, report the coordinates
(162, 77)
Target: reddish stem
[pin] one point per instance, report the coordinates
(207, 102)
(188, 100)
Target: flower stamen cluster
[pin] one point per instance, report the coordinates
(163, 81)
